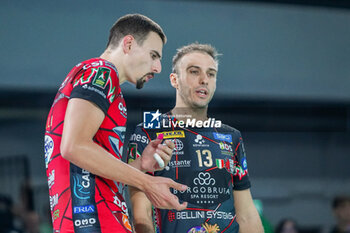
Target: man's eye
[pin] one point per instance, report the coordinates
(154, 57)
(212, 75)
(194, 71)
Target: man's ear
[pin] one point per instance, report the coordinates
(127, 43)
(174, 80)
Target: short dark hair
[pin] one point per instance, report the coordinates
(339, 200)
(194, 47)
(137, 25)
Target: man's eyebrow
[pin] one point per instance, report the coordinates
(197, 67)
(157, 54)
(193, 66)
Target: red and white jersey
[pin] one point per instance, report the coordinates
(81, 201)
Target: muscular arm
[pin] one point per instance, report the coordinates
(247, 215)
(142, 211)
(81, 123)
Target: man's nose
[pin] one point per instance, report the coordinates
(157, 66)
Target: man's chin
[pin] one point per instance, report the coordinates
(139, 83)
(200, 105)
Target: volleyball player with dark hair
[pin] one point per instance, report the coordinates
(85, 133)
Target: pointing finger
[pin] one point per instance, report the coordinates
(177, 186)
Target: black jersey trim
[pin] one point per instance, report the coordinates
(98, 101)
(242, 186)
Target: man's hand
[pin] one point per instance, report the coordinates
(157, 191)
(148, 162)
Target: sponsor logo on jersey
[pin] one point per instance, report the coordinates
(226, 149)
(48, 147)
(81, 185)
(205, 228)
(205, 190)
(199, 141)
(122, 110)
(51, 179)
(244, 163)
(90, 88)
(84, 209)
(197, 229)
(53, 201)
(224, 146)
(172, 134)
(101, 77)
(117, 143)
(151, 120)
(85, 222)
(179, 163)
(187, 215)
(120, 204)
(211, 228)
(223, 137)
(92, 64)
(204, 179)
(139, 138)
(178, 145)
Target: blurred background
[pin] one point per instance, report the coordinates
(283, 81)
